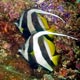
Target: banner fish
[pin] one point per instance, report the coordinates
(31, 22)
(38, 50)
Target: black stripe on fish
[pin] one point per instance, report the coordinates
(26, 32)
(32, 60)
(44, 51)
(30, 48)
(36, 23)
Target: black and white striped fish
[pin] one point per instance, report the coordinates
(30, 22)
(39, 50)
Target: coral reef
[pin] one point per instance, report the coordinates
(13, 66)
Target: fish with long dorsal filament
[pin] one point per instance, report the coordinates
(31, 22)
(38, 50)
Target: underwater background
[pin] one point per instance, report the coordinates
(13, 66)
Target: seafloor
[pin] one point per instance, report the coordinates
(13, 66)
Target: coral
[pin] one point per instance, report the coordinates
(13, 66)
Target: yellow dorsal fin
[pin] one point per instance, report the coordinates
(52, 29)
(44, 21)
(51, 46)
(55, 59)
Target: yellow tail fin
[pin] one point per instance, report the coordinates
(55, 59)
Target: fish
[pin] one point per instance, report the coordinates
(31, 22)
(38, 50)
